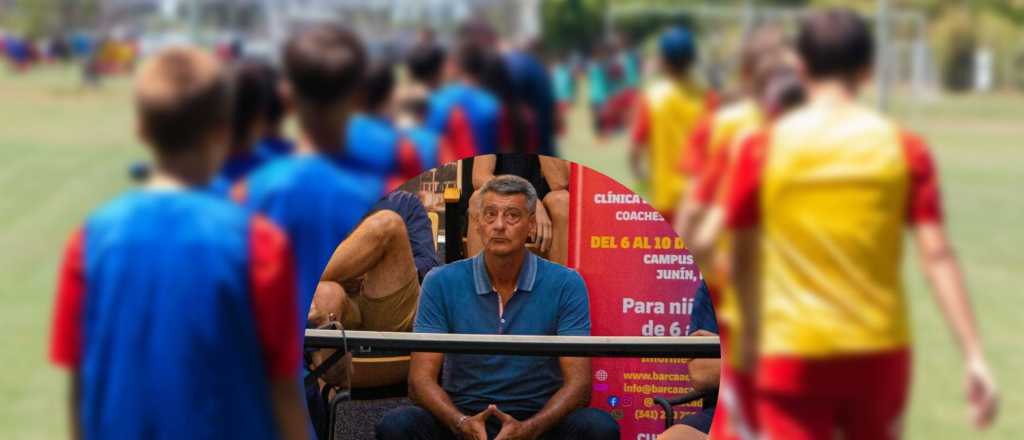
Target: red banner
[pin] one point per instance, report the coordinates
(641, 282)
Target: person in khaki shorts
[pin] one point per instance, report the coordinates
(372, 282)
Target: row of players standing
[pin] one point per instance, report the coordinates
(796, 200)
(461, 102)
(203, 299)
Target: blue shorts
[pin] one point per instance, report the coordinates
(701, 420)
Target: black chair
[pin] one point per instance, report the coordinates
(668, 404)
(369, 404)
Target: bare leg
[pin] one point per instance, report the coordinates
(682, 432)
(474, 244)
(379, 248)
(557, 204)
(330, 303)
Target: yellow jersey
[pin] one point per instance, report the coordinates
(715, 147)
(831, 190)
(668, 113)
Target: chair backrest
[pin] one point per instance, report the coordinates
(372, 372)
(435, 223)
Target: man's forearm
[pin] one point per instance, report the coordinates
(429, 395)
(574, 394)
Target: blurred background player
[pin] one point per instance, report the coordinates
(767, 57)
(532, 83)
(216, 347)
(310, 194)
(623, 75)
(720, 128)
(461, 111)
(598, 88)
(518, 127)
(425, 66)
(272, 141)
(374, 142)
(248, 121)
(775, 89)
(667, 113)
(817, 206)
(564, 84)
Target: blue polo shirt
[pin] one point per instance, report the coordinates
(550, 299)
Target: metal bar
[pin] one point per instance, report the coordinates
(368, 342)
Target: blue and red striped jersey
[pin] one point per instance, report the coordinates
(176, 308)
(317, 201)
(467, 117)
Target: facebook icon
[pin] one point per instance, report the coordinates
(613, 401)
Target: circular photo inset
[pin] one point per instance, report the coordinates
(507, 246)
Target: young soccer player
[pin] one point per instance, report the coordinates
(175, 308)
(667, 114)
(518, 128)
(376, 144)
(775, 89)
(272, 141)
(462, 112)
(532, 82)
(251, 100)
(720, 128)
(817, 205)
(425, 65)
(598, 87)
(564, 84)
(311, 194)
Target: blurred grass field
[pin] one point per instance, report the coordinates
(65, 149)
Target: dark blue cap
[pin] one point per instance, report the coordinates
(677, 45)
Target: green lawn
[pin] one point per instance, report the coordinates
(64, 150)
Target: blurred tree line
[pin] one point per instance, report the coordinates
(956, 29)
(41, 18)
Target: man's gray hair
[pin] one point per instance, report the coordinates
(508, 185)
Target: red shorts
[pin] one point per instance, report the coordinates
(735, 415)
(862, 396)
